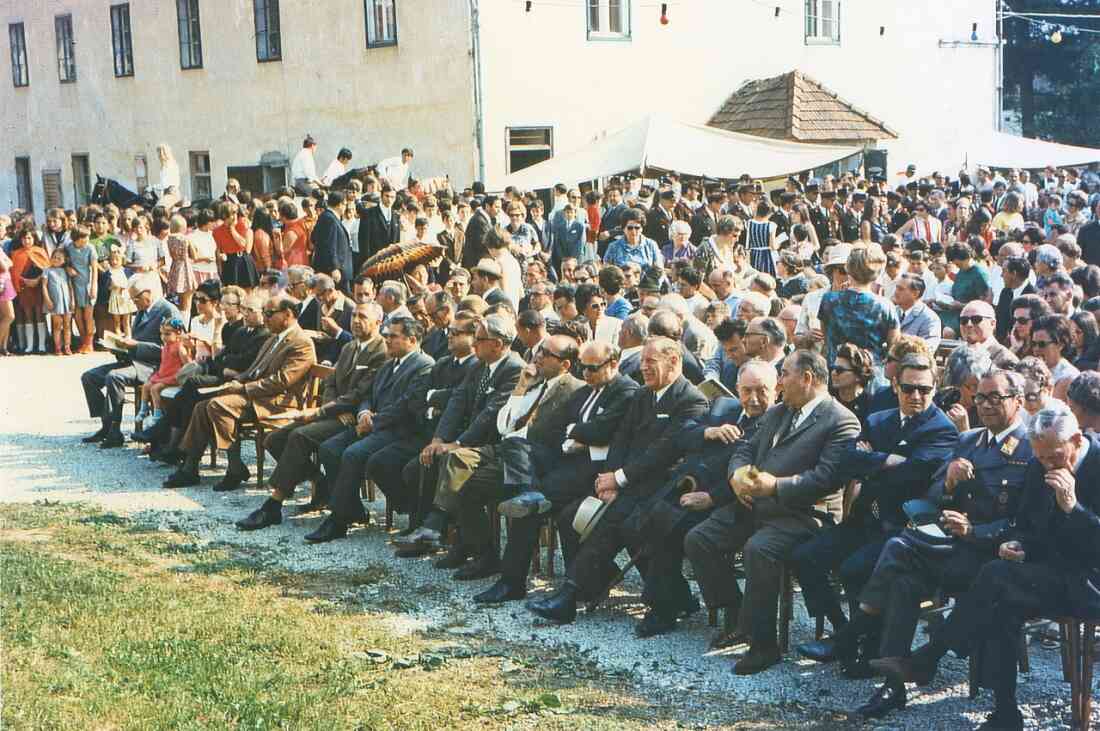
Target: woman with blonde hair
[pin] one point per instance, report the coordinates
(168, 187)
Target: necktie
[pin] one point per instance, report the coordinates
(990, 440)
(483, 386)
(790, 427)
(530, 415)
(588, 405)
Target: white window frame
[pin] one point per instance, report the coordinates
(66, 48)
(509, 148)
(602, 12)
(20, 70)
(819, 14)
(122, 41)
(82, 179)
(269, 39)
(388, 10)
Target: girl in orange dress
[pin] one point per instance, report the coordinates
(29, 263)
(292, 244)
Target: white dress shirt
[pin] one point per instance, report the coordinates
(303, 165)
(334, 170)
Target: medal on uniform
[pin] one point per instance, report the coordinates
(1009, 446)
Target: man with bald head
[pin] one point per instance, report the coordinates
(978, 324)
(645, 446)
(294, 445)
(695, 488)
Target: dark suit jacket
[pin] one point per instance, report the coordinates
(703, 225)
(925, 442)
(1004, 311)
(606, 413)
(656, 224)
(375, 234)
(447, 375)
(703, 453)
(328, 348)
(332, 248)
(806, 460)
(471, 414)
(435, 344)
(474, 249)
(352, 378)
(396, 398)
(692, 366)
(240, 350)
(1068, 542)
(649, 440)
(992, 497)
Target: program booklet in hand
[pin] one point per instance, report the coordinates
(712, 388)
(114, 342)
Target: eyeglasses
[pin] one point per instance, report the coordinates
(599, 305)
(971, 320)
(552, 354)
(270, 313)
(633, 227)
(1021, 320)
(200, 299)
(910, 388)
(842, 369)
(993, 399)
(1041, 343)
(589, 368)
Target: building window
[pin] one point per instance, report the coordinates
(823, 22)
(609, 20)
(200, 175)
(187, 13)
(82, 180)
(141, 173)
(23, 183)
(526, 146)
(381, 23)
(66, 57)
(51, 189)
(121, 39)
(20, 74)
(269, 45)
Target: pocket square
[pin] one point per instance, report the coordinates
(662, 416)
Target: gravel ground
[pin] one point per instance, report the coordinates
(42, 416)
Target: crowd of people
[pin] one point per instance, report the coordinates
(887, 384)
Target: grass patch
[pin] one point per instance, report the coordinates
(108, 625)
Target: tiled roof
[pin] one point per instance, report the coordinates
(798, 108)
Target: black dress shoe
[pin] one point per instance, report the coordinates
(819, 650)
(560, 607)
(653, 624)
(182, 478)
(857, 668)
(728, 639)
(499, 592)
(422, 537)
(757, 660)
(329, 530)
(261, 518)
(525, 504)
(889, 697)
(113, 440)
(484, 566)
(1003, 721)
(233, 479)
(99, 436)
(456, 557)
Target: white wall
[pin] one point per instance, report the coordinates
(540, 69)
(374, 101)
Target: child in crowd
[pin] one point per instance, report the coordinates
(58, 297)
(83, 273)
(172, 357)
(1052, 216)
(120, 307)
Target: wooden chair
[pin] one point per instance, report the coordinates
(1078, 658)
(307, 397)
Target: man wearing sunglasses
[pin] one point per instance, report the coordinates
(894, 458)
(978, 323)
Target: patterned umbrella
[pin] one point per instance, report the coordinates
(396, 258)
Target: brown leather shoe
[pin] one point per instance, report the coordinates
(757, 660)
(903, 670)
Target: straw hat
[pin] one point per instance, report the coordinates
(588, 515)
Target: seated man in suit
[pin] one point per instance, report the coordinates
(387, 466)
(665, 323)
(386, 414)
(978, 489)
(241, 348)
(896, 456)
(329, 322)
(294, 445)
(269, 386)
(1048, 566)
(978, 323)
(646, 445)
(787, 474)
(696, 487)
(142, 359)
(532, 427)
(595, 411)
(470, 420)
(917, 318)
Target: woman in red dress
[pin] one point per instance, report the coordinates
(234, 239)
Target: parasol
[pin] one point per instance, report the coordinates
(395, 258)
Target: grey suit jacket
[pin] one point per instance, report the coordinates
(806, 460)
(397, 398)
(923, 323)
(548, 425)
(352, 377)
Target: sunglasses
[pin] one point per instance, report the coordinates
(270, 313)
(600, 305)
(1021, 320)
(552, 354)
(971, 320)
(993, 399)
(589, 368)
(910, 388)
(633, 227)
(1041, 343)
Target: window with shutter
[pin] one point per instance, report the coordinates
(51, 189)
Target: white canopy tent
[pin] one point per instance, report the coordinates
(658, 144)
(989, 149)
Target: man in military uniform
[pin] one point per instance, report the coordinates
(819, 217)
(851, 217)
(979, 489)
